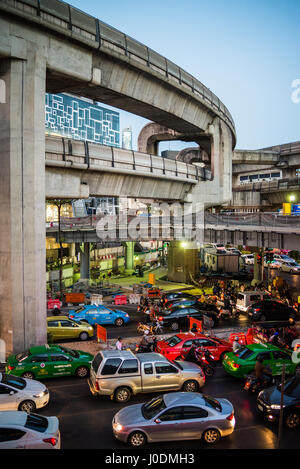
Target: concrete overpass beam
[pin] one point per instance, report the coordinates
(22, 202)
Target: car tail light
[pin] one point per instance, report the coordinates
(11, 367)
(230, 417)
(97, 386)
(160, 318)
(52, 441)
(71, 316)
(235, 365)
(257, 309)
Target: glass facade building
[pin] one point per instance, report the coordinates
(81, 119)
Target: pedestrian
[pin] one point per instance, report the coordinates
(119, 344)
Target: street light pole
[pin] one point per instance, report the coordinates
(281, 407)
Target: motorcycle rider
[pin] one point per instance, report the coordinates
(146, 343)
(236, 346)
(191, 355)
(262, 372)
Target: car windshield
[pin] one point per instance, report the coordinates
(153, 407)
(79, 310)
(69, 351)
(291, 387)
(211, 402)
(172, 341)
(22, 356)
(244, 354)
(18, 383)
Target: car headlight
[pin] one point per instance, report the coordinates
(90, 328)
(117, 427)
(276, 406)
(41, 394)
(127, 315)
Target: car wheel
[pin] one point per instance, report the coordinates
(82, 372)
(27, 406)
(83, 336)
(263, 317)
(137, 439)
(28, 375)
(291, 271)
(122, 395)
(119, 322)
(190, 386)
(292, 420)
(211, 436)
(222, 356)
(174, 326)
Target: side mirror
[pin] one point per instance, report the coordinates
(157, 421)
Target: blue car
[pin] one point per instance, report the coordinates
(99, 315)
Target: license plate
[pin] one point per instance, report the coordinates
(260, 408)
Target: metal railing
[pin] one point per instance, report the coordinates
(94, 156)
(271, 220)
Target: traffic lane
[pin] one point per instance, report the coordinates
(86, 420)
(130, 329)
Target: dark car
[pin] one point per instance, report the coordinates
(270, 310)
(268, 402)
(176, 296)
(178, 317)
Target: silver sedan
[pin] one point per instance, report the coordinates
(175, 416)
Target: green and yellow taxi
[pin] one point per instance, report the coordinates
(242, 363)
(49, 361)
(61, 327)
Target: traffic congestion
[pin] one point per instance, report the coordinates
(162, 380)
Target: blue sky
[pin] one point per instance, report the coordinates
(246, 51)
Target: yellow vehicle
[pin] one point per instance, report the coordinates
(61, 327)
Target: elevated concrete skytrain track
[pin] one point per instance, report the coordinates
(47, 45)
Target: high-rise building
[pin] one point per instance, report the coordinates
(127, 138)
(81, 119)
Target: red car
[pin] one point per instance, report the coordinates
(172, 347)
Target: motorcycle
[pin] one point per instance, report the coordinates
(152, 328)
(200, 360)
(150, 347)
(227, 314)
(254, 384)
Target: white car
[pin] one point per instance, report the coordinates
(20, 430)
(233, 251)
(290, 266)
(248, 259)
(22, 394)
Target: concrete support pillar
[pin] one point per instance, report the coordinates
(85, 262)
(183, 261)
(72, 251)
(22, 202)
(129, 256)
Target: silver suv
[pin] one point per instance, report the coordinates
(119, 374)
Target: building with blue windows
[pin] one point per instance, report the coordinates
(81, 119)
